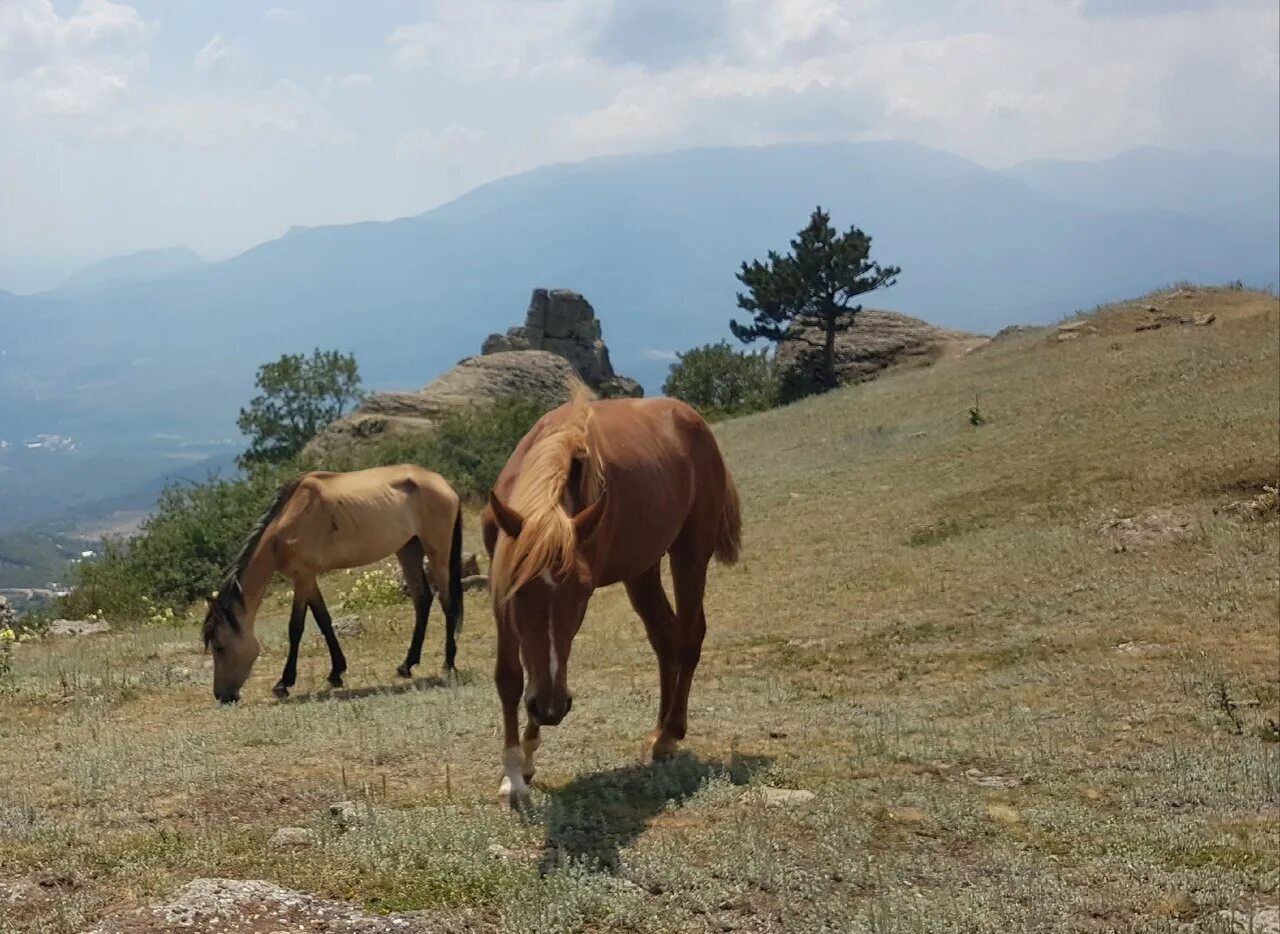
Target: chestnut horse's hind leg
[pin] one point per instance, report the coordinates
(415, 578)
(297, 620)
(325, 622)
(652, 606)
(689, 560)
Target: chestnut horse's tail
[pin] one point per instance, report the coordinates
(729, 535)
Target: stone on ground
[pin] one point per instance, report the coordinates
(234, 906)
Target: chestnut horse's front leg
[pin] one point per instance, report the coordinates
(509, 678)
(529, 745)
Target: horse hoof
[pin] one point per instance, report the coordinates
(661, 747)
(513, 798)
(280, 691)
(335, 681)
(405, 671)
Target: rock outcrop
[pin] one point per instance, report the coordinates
(559, 340)
(234, 906)
(564, 323)
(876, 341)
(533, 374)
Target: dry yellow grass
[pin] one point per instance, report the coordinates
(1029, 669)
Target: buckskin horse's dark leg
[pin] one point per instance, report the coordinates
(297, 620)
(415, 578)
(325, 622)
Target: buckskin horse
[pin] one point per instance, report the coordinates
(328, 521)
(595, 494)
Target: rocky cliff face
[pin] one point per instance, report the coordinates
(559, 340)
(876, 341)
(564, 323)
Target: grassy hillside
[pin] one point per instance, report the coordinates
(1028, 670)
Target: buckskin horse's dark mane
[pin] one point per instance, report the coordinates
(230, 593)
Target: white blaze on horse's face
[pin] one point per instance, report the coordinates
(553, 660)
(547, 614)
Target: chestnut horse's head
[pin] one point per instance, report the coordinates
(541, 584)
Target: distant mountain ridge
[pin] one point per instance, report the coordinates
(654, 240)
(1219, 185)
(134, 267)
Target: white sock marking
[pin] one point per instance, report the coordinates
(513, 784)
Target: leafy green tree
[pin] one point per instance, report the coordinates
(819, 279)
(298, 397)
(721, 382)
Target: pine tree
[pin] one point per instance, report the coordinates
(820, 279)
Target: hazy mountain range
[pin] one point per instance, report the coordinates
(144, 360)
(134, 267)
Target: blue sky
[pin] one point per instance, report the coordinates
(217, 124)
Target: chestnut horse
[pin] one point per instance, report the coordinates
(594, 494)
(327, 521)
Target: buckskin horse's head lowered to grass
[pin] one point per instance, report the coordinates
(233, 649)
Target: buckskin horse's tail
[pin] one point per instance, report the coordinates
(729, 535)
(454, 618)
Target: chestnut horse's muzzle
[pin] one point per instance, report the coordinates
(227, 697)
(548, 713)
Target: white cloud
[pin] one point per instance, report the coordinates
(994, 81)
(55, 64)
(78, 88)
(283, 109)
(421, 143)
(666, 356)
(281, 14)
(475, 90)
(502, 38)
(216, 56)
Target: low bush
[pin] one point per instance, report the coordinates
(721, 382)
(374, 589)
(469, 448)
(180, 552)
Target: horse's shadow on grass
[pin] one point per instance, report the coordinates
(405, 686)
(592, 818)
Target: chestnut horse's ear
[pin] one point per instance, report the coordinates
(585, 522)
(507, 518)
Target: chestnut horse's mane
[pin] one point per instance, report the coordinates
(546, 542)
